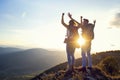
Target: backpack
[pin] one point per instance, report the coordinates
(88, 32)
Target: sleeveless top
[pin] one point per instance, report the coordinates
(72, 32)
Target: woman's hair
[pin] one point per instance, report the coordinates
(71, 22)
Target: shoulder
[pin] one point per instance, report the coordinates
(91, 25)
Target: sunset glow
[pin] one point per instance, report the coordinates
(37, 23)
(81, 41)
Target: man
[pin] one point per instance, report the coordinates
(88, 36)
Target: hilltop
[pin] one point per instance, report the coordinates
(58, 72)
(94, 74)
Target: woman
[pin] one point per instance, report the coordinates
(71, 42)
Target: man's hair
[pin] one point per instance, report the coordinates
(86, 20)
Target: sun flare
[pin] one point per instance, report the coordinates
(81, 41)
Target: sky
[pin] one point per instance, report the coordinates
(37, 23)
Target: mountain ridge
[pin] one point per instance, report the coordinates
(30, 61)
(6, 50)
(58, 72)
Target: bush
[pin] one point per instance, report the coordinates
(110, 66)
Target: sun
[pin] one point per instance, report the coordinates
(81, 41)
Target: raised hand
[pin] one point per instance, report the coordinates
(63, 14)
(69, 15)
(81, 17)
(94, 21)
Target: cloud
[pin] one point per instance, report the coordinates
(116, 20)
(24, 14)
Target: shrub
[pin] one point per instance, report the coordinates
(110, 65)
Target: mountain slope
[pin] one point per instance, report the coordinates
(28, 62)
(94, 74)
(58, 72)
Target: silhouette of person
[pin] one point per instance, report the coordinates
(88, 36)
(71, 42)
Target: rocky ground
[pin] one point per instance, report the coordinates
(94, 74)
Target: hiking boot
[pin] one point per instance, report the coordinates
(90, 68)
(71, 68)
(84, 69)
(68, 72)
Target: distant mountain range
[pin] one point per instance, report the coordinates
(24, 64)
(15, 61)
(6, 50)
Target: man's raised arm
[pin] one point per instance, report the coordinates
(70, 16)
(79, 24)
(94, 22)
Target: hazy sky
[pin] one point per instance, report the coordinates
(37, 23)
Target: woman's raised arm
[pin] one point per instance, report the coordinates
(62, 21)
